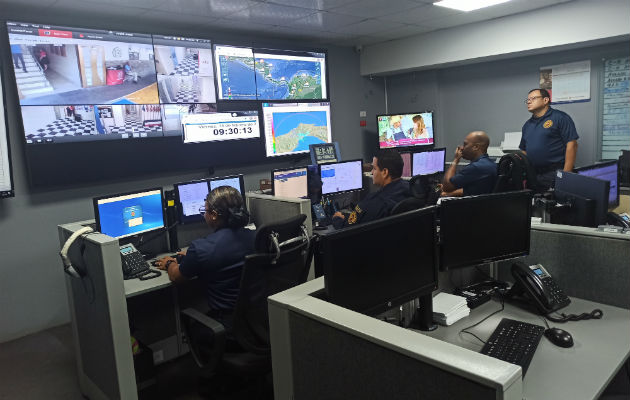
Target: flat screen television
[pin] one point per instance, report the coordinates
(291, 127)
(405, 130)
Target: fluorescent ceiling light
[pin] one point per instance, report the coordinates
(468, 5)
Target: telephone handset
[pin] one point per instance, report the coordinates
(134, 265)
(622, 220)
(539, 286)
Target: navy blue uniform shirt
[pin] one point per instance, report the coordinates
(478, 177)
(545, 139)
(218, 259)
(376, 205)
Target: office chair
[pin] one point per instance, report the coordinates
(421, 187)
(282, 261)
(408, 204)
(514, 172)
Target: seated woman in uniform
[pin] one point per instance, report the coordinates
(217, 258)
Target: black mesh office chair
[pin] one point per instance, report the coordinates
(282, 261)
(421, 188)
(408, 204)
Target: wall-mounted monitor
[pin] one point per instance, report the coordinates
(428, 162)
(185, 69)
(235, 70)
(291, 127)
(290, 75)
(341, 177)
(405, 130)
(129, 214)
(290, 182)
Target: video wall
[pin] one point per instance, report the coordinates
(79, 88)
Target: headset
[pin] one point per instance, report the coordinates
(74, 271)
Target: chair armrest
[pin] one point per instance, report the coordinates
(207, 353)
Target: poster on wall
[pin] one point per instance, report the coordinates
(6, 181)
(567, 83)
(616, 112)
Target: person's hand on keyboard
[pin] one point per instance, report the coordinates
(164, 262)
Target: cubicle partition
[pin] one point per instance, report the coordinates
(586, 263)
(323, 351)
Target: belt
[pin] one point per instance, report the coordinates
(551, 167)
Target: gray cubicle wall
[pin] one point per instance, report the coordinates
(586, 264)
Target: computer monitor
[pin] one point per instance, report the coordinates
(341, 177)
(477, 230)
(609, 171)
(428, 162)
(588, 187)
(129, 214)
(375, 266)
(290, 182)
(190, 196)
(406, 157)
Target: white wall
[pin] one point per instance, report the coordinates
(566, 25)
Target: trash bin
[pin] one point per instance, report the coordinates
(115, 76)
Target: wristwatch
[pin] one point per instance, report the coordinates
(169, 262)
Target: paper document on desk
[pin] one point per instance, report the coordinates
(449, 308)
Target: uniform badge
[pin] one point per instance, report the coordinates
(352, 218)
(548, 124)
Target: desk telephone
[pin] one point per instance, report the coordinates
(134, 265)
(536, 283)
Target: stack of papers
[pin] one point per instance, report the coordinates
(449, 308)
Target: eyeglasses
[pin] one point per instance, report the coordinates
(530, 99)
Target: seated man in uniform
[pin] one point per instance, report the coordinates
(479, 176)
(387, 167)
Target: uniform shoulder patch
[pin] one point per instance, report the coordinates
(548, 124)
(352, 218)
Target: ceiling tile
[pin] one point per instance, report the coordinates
(226, 24)
(420, 14)
(368, 27)
(376, 8)
(403, 31)
(325, 21)
(214, 8)
(271, 14)
(317, 5)
(174, 19)
(103, 9)
(148, 4)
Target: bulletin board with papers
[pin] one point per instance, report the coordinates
(616, 108)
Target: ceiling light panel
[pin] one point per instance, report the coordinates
(468, 5)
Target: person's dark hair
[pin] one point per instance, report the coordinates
(543, 92)
(390, 159)
(228, 203)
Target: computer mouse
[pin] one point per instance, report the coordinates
(559, 337)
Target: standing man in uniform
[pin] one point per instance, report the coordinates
(478, 177)
(387, 167)
(549, 139)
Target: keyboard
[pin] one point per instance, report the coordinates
(514, 342)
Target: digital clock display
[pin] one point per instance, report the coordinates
(220, 126)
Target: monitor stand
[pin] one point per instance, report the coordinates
(423, 316)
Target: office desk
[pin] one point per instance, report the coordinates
(320, 350)
(580, 372)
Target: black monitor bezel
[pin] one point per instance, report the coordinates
(463, 201)
(435, 149)
(131, 236)
(10, 192)
(600, 211)
(319, 171)
(407, 148)
(600, 165)
(273, 180)
(326, 258)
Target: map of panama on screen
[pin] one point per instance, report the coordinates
(281, 76)
(235, 70)
(290, 128)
